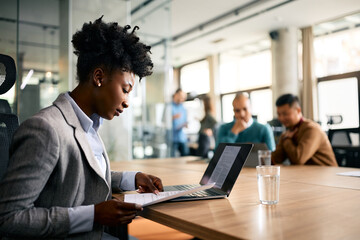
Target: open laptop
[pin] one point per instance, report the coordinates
(223, 170)
(252, 160)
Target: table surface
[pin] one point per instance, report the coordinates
(315, 203)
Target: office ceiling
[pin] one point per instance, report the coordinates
(203, 27)
(191, 29)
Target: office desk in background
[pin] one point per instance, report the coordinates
(315, 203)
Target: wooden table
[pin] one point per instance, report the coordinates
(315, 203)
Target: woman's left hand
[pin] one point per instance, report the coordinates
(148, 183)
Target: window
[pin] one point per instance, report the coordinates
(239, 71)
(227, 107)
(194, 78)
(344, 44)
(339, 97)
(337, 56)
(247, 69)
(195, 112)
(262, 105)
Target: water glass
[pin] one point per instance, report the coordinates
(268, 178)
(264, 157)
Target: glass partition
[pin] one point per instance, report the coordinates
(46, 65)
(152, 111)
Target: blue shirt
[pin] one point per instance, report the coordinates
(82, 217)
(256, 133)
(179, 123)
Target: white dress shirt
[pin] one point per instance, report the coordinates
(82, 217)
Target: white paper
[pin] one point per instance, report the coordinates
(146, 199)
(350, 174)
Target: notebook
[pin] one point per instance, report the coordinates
(252, 160)
(146, 199)
(223, 170)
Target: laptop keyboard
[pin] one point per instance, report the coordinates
(202, 193)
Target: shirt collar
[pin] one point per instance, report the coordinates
(298, 124)
(94, 121)
(250, 122)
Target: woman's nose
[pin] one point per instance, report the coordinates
(125, 104)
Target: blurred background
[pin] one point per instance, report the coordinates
(310, 48)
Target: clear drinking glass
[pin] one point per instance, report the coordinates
(268, 178)
(264, 157)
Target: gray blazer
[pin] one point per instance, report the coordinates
(51, 169)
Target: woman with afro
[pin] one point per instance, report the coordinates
(58, 183)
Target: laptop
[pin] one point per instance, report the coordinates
(252, 160)
(222, 171)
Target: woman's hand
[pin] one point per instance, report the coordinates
(115, 212)
(148, 183)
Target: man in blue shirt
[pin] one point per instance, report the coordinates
(244, 128)
(179, 121)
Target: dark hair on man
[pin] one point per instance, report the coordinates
(178, 90)
(287, 99)
(112, 47)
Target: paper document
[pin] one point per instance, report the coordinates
(146, 199)
(350, 174)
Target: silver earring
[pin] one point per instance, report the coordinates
(99, 84)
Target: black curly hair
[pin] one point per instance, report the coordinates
(110, 46)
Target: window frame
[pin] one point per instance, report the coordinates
(342, 76)
(179, 76)
(248, 91)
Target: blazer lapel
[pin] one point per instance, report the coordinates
(108, 171)
(68, 112)
(84, 144)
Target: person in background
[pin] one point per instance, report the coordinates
(303, 143)
(58, 183)
(179, 122)
(207, 128)
(244, 128)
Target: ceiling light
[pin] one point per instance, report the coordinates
(352, 19)
(327, 26)
(278, 19)
(217, 40)
(48, 74)
(28, 76)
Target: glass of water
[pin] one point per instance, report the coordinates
(268, 178)
(264, 157)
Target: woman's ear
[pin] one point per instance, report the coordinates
(98, 77)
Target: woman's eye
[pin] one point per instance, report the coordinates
(124, 90)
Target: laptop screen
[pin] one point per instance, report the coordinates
(252, 160)
(225, 166)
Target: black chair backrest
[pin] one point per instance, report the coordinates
(7, 73)
(8, 122)
(4, 106)
(341, 137)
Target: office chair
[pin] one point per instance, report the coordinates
(8, 122)
(346, 151)
(277, 129)
(4, 106)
